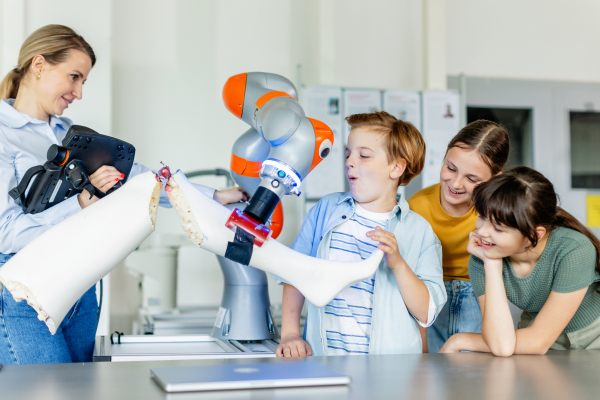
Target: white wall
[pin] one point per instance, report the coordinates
(534, 39)
(12, 33)
(93, 21)
(94, 24)
(371, 44)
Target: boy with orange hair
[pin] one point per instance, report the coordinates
(380, 314)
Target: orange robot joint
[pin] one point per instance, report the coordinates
(270, 96)
(241, 166)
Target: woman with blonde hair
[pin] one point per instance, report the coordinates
(54, 62)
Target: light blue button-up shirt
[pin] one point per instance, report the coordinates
(24, 142)
(393, 329)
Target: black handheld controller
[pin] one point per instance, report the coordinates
(67, 171)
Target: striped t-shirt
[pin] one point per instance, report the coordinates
(348, 316)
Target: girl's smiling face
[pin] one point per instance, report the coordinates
(461, 172)
(499, 241)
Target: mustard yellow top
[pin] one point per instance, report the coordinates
(453, 232)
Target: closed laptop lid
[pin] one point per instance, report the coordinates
(246, 376)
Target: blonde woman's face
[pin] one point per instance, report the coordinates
(59, 85)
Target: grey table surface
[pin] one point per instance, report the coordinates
(557, 375)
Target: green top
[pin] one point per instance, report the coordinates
(567, 264)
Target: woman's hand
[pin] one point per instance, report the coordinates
(233, 195)
(293, 346)
(104, 179)
(389, 245)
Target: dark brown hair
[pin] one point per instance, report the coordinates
(488, 138)
(54, 43)
(524, 199)
(402, 140)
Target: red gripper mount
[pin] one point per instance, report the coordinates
(260, 232)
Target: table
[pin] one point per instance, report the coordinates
(464, 376)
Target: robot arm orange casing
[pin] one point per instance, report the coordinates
(292, 143)
(233, 94)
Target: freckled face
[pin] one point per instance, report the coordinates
(62, 83)
(500, 241)
(367, 167)
(461, 172)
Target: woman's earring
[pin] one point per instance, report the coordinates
(39, 76)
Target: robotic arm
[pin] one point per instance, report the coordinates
(276, 154)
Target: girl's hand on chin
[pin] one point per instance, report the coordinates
(475, 246)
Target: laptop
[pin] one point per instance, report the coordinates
(246, 376)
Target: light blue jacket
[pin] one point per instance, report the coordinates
(394, 330)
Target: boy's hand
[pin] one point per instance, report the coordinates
(293, 346)
(388, 244)
(233, 195)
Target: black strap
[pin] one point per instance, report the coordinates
(240, 250)
(19, 191)
(94, 191)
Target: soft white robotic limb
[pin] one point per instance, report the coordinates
(56, 268)
(318, 280)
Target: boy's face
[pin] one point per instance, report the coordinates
(372, 179)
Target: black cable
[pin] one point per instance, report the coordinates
(99, 306)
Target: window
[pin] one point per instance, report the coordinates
(585, 144)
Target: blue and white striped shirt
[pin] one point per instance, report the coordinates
(348, 316)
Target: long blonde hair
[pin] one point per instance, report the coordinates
(53, 42)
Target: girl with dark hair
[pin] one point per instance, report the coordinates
(477, 153)
(528, 250)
